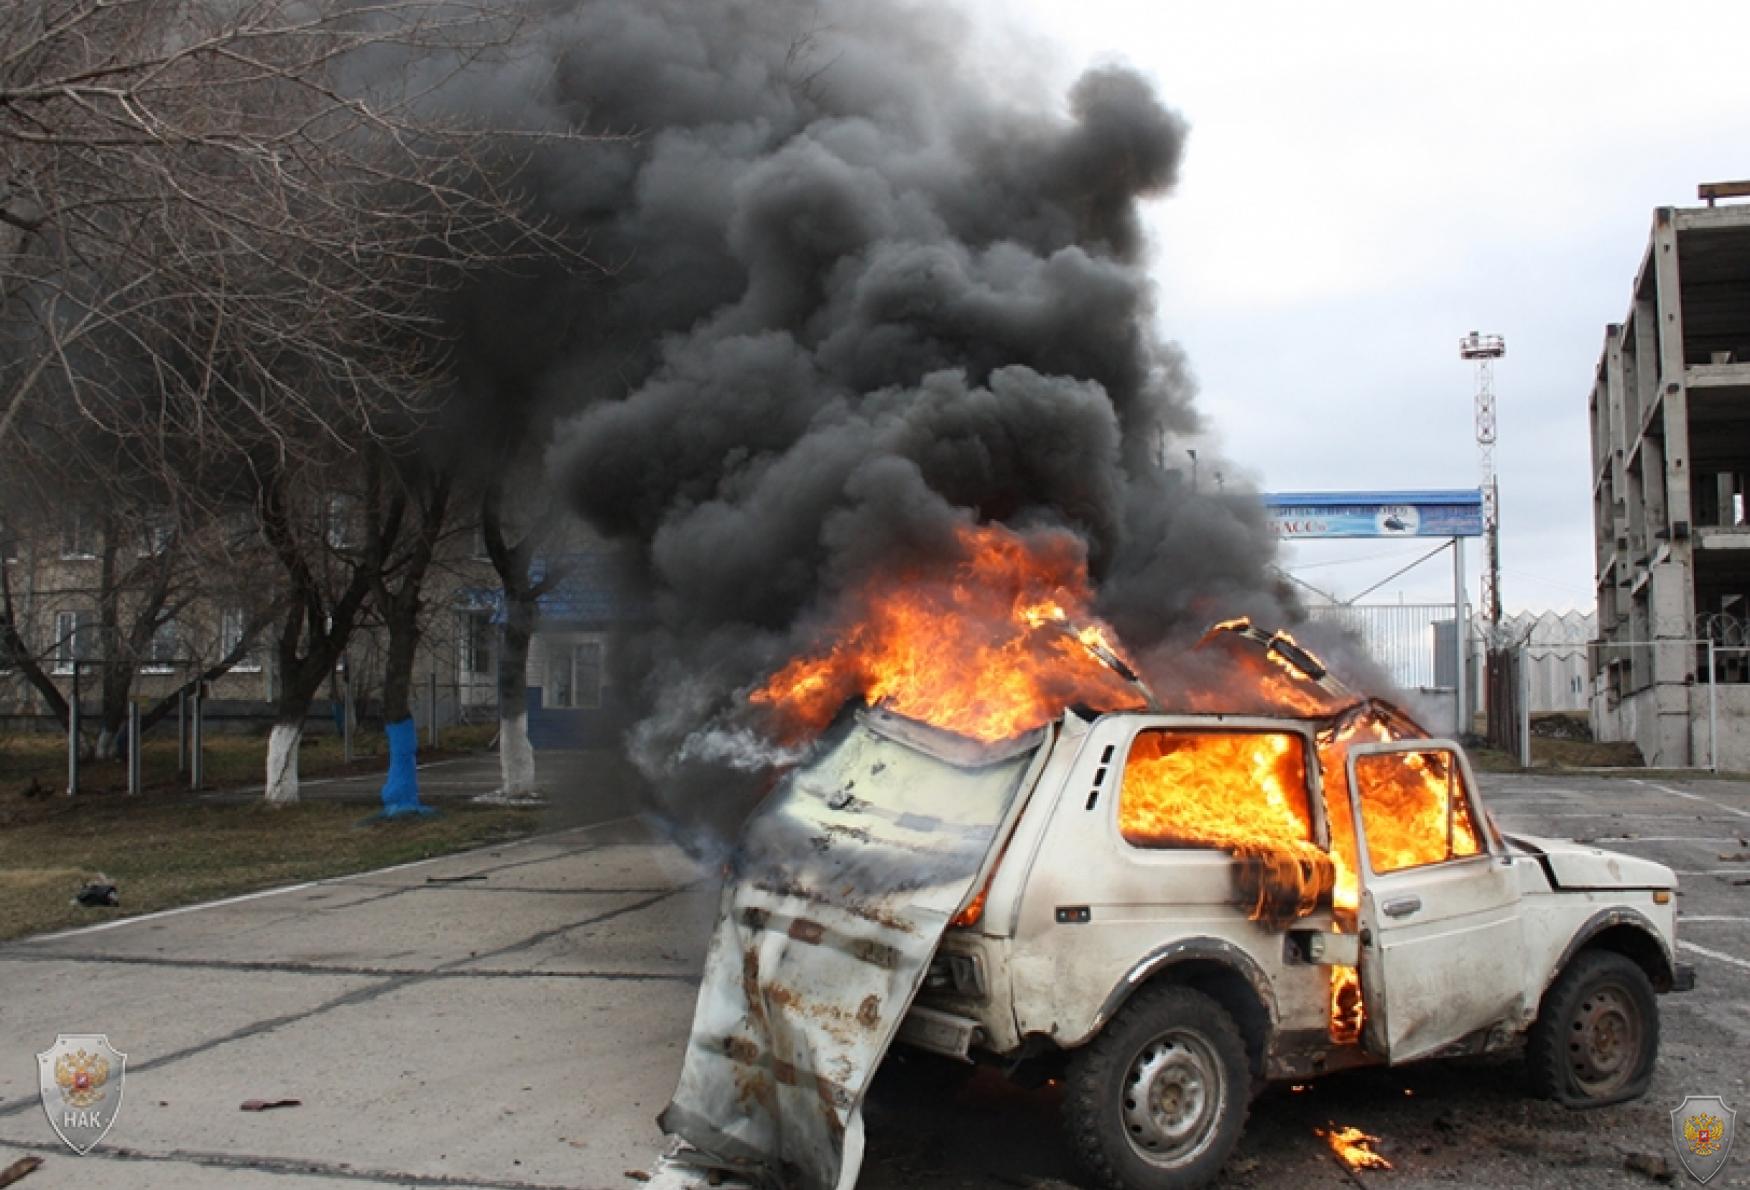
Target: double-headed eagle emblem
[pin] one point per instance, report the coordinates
(1704, 1134)
(1701, 1131)
(81, 1076)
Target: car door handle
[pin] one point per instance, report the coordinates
(1402, 906)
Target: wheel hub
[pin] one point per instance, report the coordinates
(1605, 1040)
(1172, 1098)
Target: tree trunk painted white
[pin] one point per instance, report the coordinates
(516, 757)
(108, 744)
(282, 762)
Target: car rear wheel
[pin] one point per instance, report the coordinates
(1597, 1033)
(1158, 1100)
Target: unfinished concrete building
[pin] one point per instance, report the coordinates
(1670, 453)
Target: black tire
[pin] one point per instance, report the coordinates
(1596, 1037)
(1183, 1051)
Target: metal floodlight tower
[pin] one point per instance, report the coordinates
(1485, 350)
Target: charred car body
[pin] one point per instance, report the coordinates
(1083, 900)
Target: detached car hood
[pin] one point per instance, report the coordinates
(1574, 865)
(840, 889)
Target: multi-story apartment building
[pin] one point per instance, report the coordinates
(55, 576)
(1670, 412)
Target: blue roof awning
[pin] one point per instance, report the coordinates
(596, 593)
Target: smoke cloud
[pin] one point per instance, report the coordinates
(859, 294)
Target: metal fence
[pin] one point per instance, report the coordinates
(1718, 657)
(1405, 639)
(242, 701)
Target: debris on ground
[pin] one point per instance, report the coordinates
(1651, 1164)
(101, 891)
(22, 1168)
(1353, 1147)
(453, 879)
(637, 1175)
(1736, 857)
(268, 1104)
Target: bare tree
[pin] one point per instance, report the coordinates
(144, 573)
(16, 651)
(515, 557)
(400, 585)
(233, 230)
(329, 546)
(214, 181)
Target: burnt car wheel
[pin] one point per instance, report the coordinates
(1158, 1100)
(1597, 1033)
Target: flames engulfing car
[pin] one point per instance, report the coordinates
(1169, 911)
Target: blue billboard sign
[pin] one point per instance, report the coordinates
(1305, 515)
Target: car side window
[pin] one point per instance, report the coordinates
(1227, 789)
(1414, 809)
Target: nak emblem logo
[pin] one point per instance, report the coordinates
(80, 1077)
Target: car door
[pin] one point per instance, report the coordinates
(1439, 916)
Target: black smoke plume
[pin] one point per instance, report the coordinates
(859, 293)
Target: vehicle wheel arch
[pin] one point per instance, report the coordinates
(1628, 933)
(1220, 970)
(1595, 1041)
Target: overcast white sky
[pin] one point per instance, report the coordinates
(1365, 183)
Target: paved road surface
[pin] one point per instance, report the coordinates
(514, 1018)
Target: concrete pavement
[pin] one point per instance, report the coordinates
(506, 1018)
(514, 1018)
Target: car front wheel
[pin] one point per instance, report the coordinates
(1158, 1100)
(1597, 1033)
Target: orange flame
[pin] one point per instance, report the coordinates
(1244, 792)
(1348, 1011)
(1404, 811)
(994, 646)
(1002, 639)
(1404, 807)
(1353, 1147)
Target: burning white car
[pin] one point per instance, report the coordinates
(1167, 911)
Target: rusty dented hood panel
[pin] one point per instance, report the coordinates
(842, 885)
(1574, 865)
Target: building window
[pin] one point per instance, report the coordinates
(78, 537)
(156, 533)
(340, 520)
(240, 529)
(474, 633)
(75, 639)
(560, 689)
(575, 675)
(164, 649)
(586, 668)
(231, 624)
